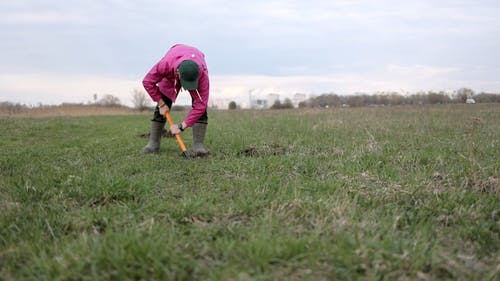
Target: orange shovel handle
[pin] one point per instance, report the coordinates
(177, 136)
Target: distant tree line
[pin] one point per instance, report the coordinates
(393, 98)
(141, 101)
(11, 108)
(282, 105)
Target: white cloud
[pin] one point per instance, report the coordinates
(60, 88)
(418, 71)
(400, 78)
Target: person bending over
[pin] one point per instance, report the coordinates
(182, 66)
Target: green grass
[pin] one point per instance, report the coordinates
(400, 193)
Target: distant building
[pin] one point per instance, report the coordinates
(256, 103)
(298, 98)
(260, 104)
(272, 98)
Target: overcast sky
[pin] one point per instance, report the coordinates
(65, 51)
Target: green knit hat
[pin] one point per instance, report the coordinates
(189, 71)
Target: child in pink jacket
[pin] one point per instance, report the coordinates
(182, 67)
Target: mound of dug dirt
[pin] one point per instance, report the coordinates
(265, 150)
(164, 134)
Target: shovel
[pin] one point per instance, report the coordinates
(177, 136)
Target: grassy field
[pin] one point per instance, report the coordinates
(403, 193)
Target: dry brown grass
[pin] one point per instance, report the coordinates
(65, 110)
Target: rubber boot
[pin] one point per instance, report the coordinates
(154, 138)
(198, 147)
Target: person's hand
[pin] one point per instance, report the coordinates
(174, 129)
(163, 109)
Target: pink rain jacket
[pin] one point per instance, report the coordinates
(162, 79)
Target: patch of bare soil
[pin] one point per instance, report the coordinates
(489, 185)
(164, 134)
(263, 150)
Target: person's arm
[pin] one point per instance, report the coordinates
(152, 78)
(200, 101)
